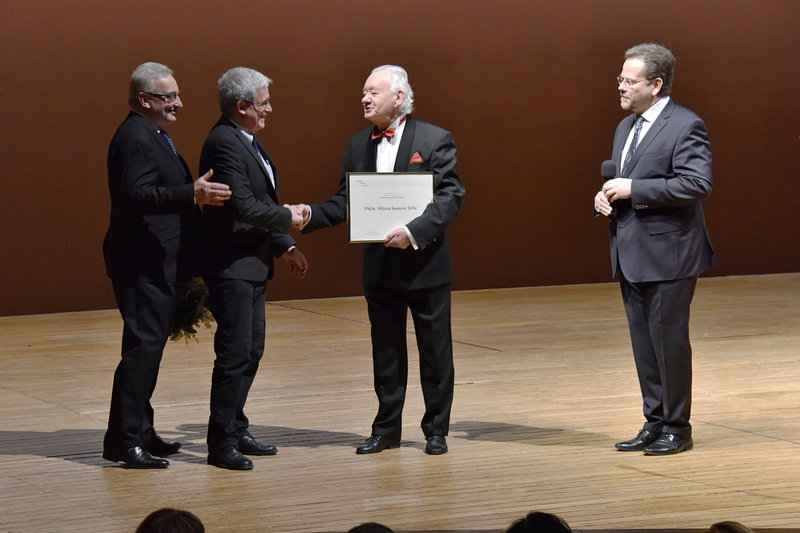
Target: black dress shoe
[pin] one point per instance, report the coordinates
(639, 442)
(162, 448)
(136, 457)
(437, 445)
(376, 444)
(230, 458)
(669, 444)
(250, 446)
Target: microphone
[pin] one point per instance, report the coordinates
(608, 170)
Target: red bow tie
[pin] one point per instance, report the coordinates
(388, 132)
(377, 134)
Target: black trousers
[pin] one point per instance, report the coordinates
(658, 319)
(145, 308)
(239, 309)
(430, 308)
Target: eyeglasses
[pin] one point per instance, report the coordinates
(260, 108)
(168, 98)
(630, 83)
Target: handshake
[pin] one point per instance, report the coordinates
(300, 214)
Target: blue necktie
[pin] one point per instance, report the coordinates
(169, 140)
(634, 142)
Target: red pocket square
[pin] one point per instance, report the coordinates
(416, 158)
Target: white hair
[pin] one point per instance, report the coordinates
(399, 82)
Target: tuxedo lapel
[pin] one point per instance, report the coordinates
(404, 150)
(370, 155)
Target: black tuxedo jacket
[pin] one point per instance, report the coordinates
(431, 264)
(154, 221)
(660, 233)
(241, 238)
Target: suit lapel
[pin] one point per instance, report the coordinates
(161, 141)
(248, 146)
(652, 133)
(619, 141)
(269, 161)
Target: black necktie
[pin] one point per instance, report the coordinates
(637, 129)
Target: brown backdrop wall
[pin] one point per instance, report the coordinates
(525, 86)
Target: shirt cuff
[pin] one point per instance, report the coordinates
(411, 238)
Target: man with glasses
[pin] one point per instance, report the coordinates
(659, 240)
(240, 240)
(148, 249)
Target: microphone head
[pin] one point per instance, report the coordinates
(608, 169)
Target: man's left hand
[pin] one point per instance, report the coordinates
(397, 238)
(617, 189)
(298, 264)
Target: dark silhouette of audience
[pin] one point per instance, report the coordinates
(171, 521)
(371, 527)
(537, 522)
(176, 521)
(729, 527)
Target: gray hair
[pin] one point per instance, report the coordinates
(658, 63)
(399, 82)
(239, 83)
(143, 80)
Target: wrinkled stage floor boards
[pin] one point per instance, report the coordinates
(545, 384)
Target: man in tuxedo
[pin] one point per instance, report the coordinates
(148, 249)
(411, 269)
(659, 240)
(239, 242)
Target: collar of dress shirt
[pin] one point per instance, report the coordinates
(652, 113)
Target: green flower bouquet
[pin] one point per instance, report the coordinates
(190, 310)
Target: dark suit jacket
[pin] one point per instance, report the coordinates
(241, 237)
(431, 265)
(154, 221)
(660, 233)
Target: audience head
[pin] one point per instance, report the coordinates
(537, 522)
(371, 527)
(171, 521)
(729, 527)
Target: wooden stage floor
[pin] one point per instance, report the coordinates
(545, 385)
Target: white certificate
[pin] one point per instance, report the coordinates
(378, 202)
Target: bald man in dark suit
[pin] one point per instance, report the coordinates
(659, 240)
